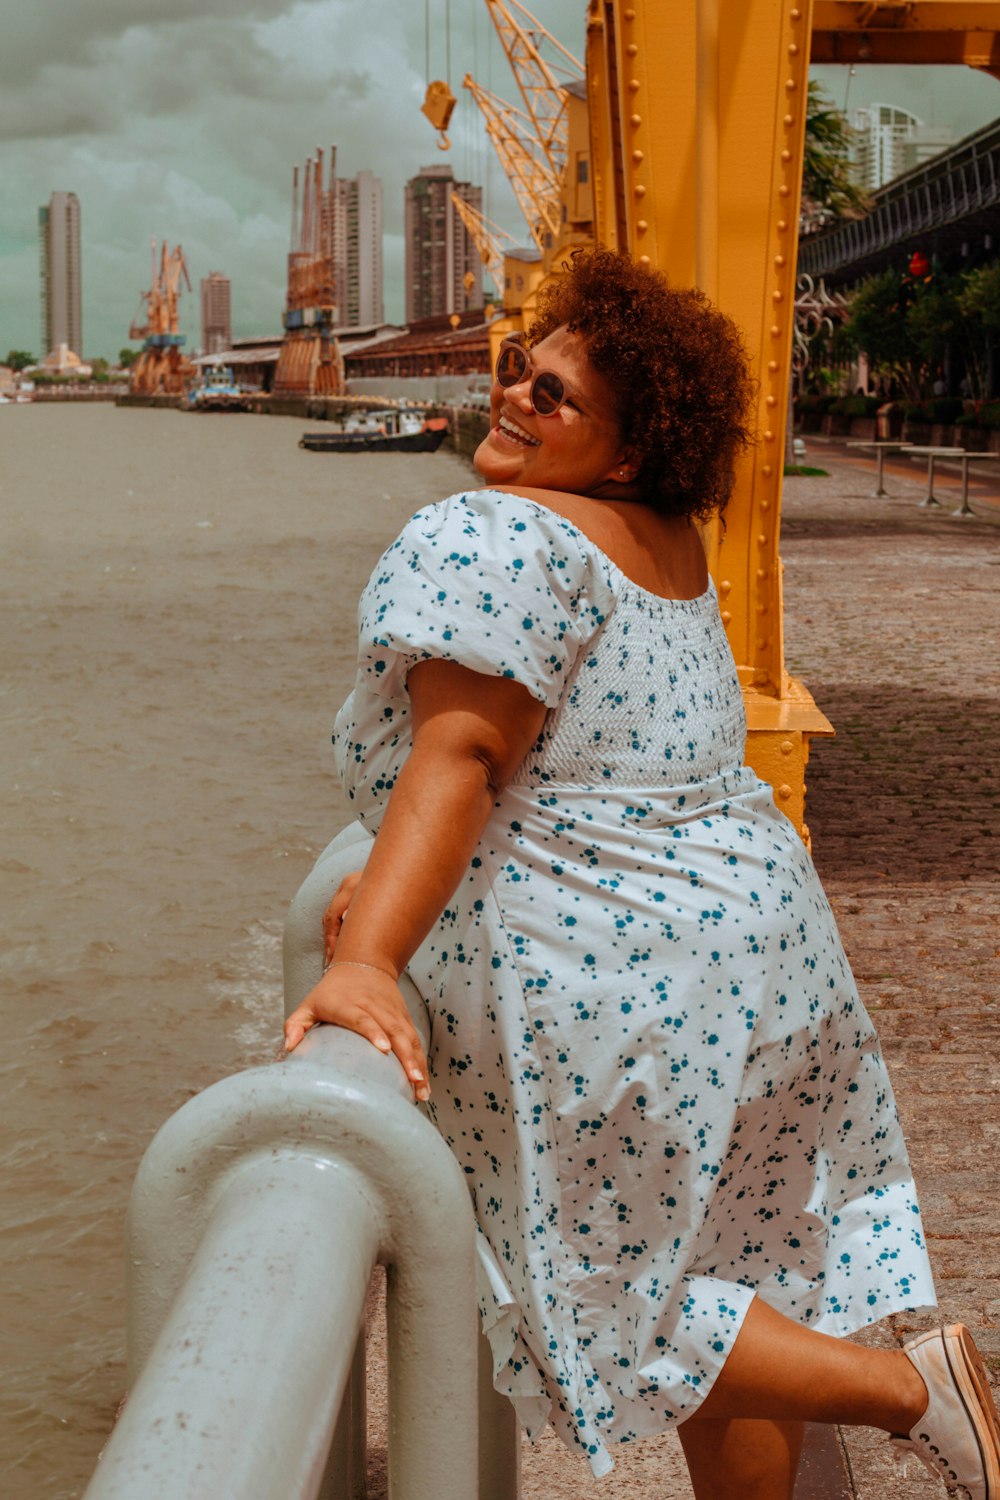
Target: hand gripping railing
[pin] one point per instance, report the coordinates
(258, 1214)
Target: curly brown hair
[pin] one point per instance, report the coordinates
(678, 365)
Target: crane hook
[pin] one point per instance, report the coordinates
(438, 106)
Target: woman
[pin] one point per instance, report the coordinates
(648, 1054)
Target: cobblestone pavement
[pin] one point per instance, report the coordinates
(892, 618)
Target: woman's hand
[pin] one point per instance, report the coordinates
(367, 1001)
(333, 917)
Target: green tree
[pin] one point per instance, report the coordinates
(878, 325)
(978, 302)
(829, 191)
(127, 357)
(19, 359)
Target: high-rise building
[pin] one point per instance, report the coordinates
(444, 271)
(889, 141)
(356, 212)
(216, 318)
(62, 302)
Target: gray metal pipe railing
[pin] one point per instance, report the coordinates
(258, 1214)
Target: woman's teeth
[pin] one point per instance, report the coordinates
(512, 430)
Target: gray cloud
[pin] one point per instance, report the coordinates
(173, 120)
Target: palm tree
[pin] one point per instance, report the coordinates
(829, 192)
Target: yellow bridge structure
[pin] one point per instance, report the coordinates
(684, 146)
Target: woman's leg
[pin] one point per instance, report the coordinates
(742, 1459)
(780, 1371)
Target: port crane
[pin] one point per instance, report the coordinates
(161, 369)
(489, 239)
(535, 183)
(542, 83)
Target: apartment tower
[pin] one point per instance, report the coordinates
(444, 272)
(62, 303)
(356, 215)
(216, 318)
(889, 141)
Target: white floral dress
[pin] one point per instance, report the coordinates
(648, 1052)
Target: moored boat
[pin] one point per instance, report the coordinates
(217, 390)
(410, 435)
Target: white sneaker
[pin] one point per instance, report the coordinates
(958, 1436)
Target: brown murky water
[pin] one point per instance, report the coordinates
(177, 630)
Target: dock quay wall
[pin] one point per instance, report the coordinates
(467, 426)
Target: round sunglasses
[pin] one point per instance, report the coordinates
(547, 392)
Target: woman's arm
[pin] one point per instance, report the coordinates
(470, 733)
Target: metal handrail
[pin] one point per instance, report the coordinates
(258, 1214)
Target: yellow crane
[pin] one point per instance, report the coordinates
(489, 239)
(535, 184)
(541, 82)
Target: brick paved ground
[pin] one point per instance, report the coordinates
(893, 620)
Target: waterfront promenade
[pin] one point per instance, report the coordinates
(892, 618)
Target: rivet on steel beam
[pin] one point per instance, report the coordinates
(630, 15)
(762, 609)
(640, 190)
(793, 50)
(641, 225)
(761, 540)
(631, 49)
(796, 14)
(762, 645)
(725, 587)
(784, 791)
(772, 400)
(769, 436)
(644, 260)
(790, 85)
(772, 365)
(781, 226)
(635, 120)
(637, 157)
(726, 617)
(786, 155)
(777, 296)
(789, 121)
(765, 505)
(779, 261)
(786, 747)
(761, 574)
(775, 331)
(784, 190)
(767, 471)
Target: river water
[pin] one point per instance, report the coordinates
(178, 622)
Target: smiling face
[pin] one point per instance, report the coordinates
(577, 449)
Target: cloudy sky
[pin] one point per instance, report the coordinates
(182, 119)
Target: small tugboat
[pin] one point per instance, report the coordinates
(217, 390)
(381, 432)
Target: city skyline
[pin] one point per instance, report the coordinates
(184, 126)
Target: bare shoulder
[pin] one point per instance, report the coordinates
(662, 554)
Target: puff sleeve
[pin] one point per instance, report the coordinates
(492, 581)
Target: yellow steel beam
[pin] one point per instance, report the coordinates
(908, 31)
(697, 130)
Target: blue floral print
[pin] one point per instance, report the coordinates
(649, 1056)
